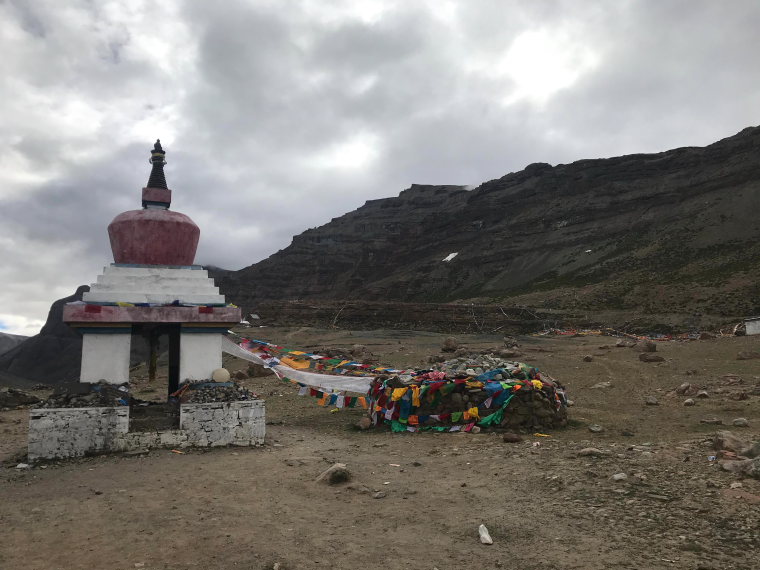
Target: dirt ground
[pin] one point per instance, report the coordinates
(545, 506)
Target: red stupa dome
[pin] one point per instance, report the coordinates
(154, 235)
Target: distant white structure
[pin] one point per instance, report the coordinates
(753, 325)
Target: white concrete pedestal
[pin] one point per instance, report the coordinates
(199, 355)
(105, 357)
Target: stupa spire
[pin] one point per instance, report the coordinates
(157, 159)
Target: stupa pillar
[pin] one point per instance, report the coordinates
(200, 354)
(106, 357)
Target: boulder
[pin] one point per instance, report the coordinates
(748, 355)
(450, 344)
(334, 475)
(649, 357)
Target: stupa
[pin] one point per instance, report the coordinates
(151, 288)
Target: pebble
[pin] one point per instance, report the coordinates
(588, 358)
(689, 402)
(485, 537)
(379, 495)
(683, 388)
(651, 401)
(602, 385)
(711, 421)
(703, 394)
(510, 437)
(741, 422)
(736, 485)
(595, 428)
(590, 452)
(22, 466)
(619, 477)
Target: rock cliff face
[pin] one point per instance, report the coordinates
(672, 233)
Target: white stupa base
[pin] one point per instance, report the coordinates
(160, 285)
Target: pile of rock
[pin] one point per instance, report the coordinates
(738, 455)
(11, 398)
(216, 392)
(475, 364)
(536, 406)
(85, 395)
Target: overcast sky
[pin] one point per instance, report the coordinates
(278, 116)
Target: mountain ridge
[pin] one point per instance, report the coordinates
(593, 235)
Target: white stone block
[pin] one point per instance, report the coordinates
(105, 357)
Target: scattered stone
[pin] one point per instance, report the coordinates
(588, 358)
(23, 466)
(689, 402)
(651, 401)
(703, 394)
(726, 440)
(595, 428)
(475, 429)
(205, 392)
(741, 422)
(747, 467)
(86, 395)
(335, 474)
(645, 346)
(509, 353)
(748, 355)
(625, 343)
(627, 433)
(450, 344)
(13, 398)
(649, 357)
(711, 421)
(590, 452)
(736, 485)
(416, 464)
(379, 495)
(510, 437)
(258, 371)
(364, 423)
(602, 385)
(485, 537)
(692, 372)
(619, 477)
(683, 389)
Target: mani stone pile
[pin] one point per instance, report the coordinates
(208, 392)
(84, 395)
(528, 409)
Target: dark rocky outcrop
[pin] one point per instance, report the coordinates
(673, 234)
(8, 341)
(50, 357)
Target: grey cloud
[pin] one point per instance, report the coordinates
(249, 97)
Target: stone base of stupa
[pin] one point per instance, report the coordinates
(60, 433)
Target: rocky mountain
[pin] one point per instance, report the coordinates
(52, 356)
(8, 341)
(670, 237)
